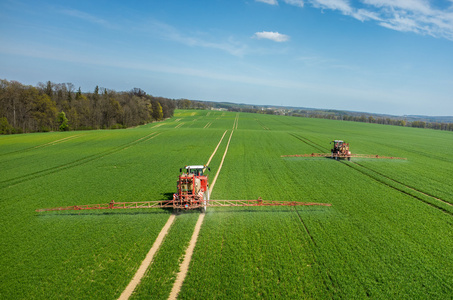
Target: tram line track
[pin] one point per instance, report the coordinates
(397, 185)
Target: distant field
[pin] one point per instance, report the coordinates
(388, 233)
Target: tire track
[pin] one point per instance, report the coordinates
(184, 267)
(399, 189)
(407, 186)
(215, 150)
(309, 142)
(188, 254)
(191, 123)
(221, 164)
(66, 139)
(261, 124)
(305, 226)
(75, 163)
(378, 177)
(148, 260)
(326, 281)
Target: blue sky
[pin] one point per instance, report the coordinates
(381, 56)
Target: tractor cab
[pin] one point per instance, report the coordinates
(196, 170)
(340, 149)
(337, 145)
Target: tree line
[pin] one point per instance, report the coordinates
(58, 106)
(335, 115)
(345, 116)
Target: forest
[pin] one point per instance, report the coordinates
(59, 106)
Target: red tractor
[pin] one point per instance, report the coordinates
(340, 149)
(192, 188)
(192, 193)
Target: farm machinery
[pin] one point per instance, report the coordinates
(340, 150)
(192, 193)
(192, 189)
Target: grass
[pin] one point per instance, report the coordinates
(380, 239)
(160, 277)
(375, 241)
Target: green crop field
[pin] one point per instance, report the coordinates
(388, 233)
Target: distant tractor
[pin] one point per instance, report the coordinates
(192, 188)
(340, 149)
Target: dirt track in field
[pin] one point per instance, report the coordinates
(147, 261)
(215, 150)
(184, 267)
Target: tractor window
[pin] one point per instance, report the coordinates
(196, 172)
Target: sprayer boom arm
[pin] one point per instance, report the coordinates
(344, 156)
(171, 204)
(114, 205)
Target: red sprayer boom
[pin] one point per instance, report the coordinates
(341, 150)
(192, 193)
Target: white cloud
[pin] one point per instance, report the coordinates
(364, 15)
(345, 8)
(416, 16)
(85, 16)
(271, 2)
(421, 6)
(299, 3)
(341, 5)
(273, 36)
(170, 33)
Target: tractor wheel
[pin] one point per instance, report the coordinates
(349, 159)
(205, 200)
